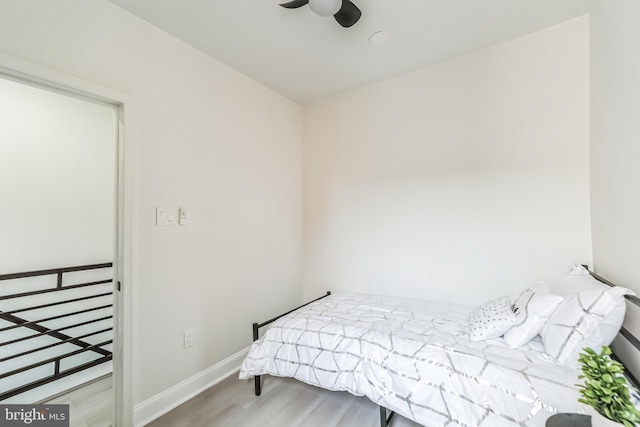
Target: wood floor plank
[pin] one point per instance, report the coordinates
(90, 405)
(284, 402)
(293, 414)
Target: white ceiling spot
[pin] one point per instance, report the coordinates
(379, 39)
(305, 58)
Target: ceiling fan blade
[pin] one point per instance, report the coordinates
(294, 4)
(348, 14)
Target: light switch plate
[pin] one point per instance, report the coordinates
(166, 216)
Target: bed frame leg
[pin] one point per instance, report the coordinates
(258, 386)
(384, 420)
(256, 379)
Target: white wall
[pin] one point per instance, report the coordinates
(615, 140)
(461, 181)
(207, 138)
(57, 166)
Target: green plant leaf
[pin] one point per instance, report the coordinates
(607, 412)
(605, 388)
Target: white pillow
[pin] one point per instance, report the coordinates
(491, 319)
(580, 280)
(533, 308)
(590, 316)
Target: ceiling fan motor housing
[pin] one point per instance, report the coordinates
(344, 11)
(325, 7)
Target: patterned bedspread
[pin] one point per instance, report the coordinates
(413, 357)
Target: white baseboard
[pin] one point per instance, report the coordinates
(160, 404)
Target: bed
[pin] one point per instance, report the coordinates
(416, 359)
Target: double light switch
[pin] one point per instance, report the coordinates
(171, 216)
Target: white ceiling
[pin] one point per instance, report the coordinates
(306, 57)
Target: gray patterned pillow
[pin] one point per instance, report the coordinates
(491, 319)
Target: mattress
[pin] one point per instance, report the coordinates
(414, 358)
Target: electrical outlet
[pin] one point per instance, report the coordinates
(188, 338)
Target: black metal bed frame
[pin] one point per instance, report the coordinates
(63, 338)
(386, 415)
(257, 326)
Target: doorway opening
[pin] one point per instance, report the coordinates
(60, 302)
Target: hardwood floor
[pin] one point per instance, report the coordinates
(284, 403)
(89, 406)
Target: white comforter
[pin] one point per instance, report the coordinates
(413, 357)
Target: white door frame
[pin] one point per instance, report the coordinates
(125, 210)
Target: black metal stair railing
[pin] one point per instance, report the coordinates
(61, 301)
